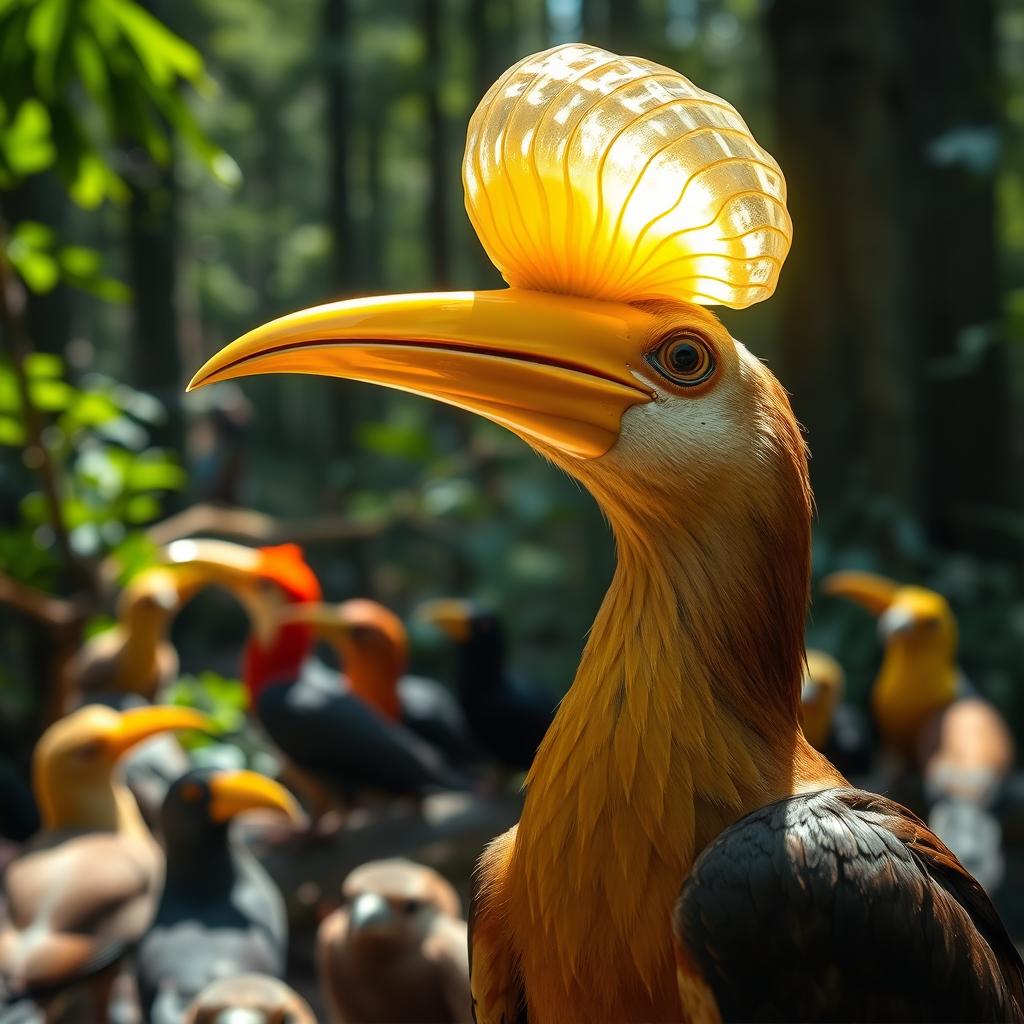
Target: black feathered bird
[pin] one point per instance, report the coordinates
(507, 715)
(220, 914)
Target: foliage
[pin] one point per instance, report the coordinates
(128, 65)
(225, 701)
(112, 479)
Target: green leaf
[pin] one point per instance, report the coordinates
(43, 366)
(38, 270)
(154, 475)
(164, 55)
(51, 395)
(12, 433)
(26, 142)
(46, 27)
(143, 508)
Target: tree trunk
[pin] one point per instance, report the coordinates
(893, 254)
(437, 214)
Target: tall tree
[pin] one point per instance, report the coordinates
(437, 211)
(892, 272)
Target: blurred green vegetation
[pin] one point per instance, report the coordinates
(296, 151)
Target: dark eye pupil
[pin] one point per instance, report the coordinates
(684, 358)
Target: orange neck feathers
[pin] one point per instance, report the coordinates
(683, 717)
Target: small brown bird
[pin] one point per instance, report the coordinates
(135, 656)
(249, 999)
(398, 950)
(85, 888)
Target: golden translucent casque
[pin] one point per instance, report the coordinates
(613, 177)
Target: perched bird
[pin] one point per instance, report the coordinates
(397, 951)
(617, 198)
(507, 715)
(838, 730)
(336, 744)
(85, 888)
(249, 999)
(135, 655)
(931, 719)
(220, 914)
(265, 580)
(372, 648)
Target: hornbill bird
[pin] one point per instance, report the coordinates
(220, 913)
(249, 999)
(336, 744)
(928, 715)
(372, 648)
(135, 655)
(396, 951)
(84, 890)
(683, 851)
(265, 580)
(507, 715)
(838, 730)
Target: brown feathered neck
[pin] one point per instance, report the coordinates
(683, 716)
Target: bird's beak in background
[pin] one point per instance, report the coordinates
(869, 590)
(324, 618)
(369, 910)
(217, 561)
(140, 724)
(232, 792)
(895, 620)
(551, 368)
(448, 614)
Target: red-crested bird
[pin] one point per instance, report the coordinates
(683, 852)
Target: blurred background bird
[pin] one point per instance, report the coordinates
(397, 951)
(372, 649)
(930, 717)
(84, 890)
(249, 999)
(839, 730)
(220, 915)
(507, 714)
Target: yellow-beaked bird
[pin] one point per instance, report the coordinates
(135, 656)
(928, 715)
(617, 198)
(84, 889)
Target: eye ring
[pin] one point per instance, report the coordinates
(685, 358)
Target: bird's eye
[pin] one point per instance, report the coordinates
(411, 906)
(685, 358)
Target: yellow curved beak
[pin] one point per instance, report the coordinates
(218, 561)
(868, 589)
(324, 618)
(449, 614)
(551, 368)
(233, 792)
(139, 724)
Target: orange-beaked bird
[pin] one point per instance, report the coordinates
(135, 655)
(928, 715)
(372, 648)
(84, 889)
(506, 713)
(396, 951)
(683, 851)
